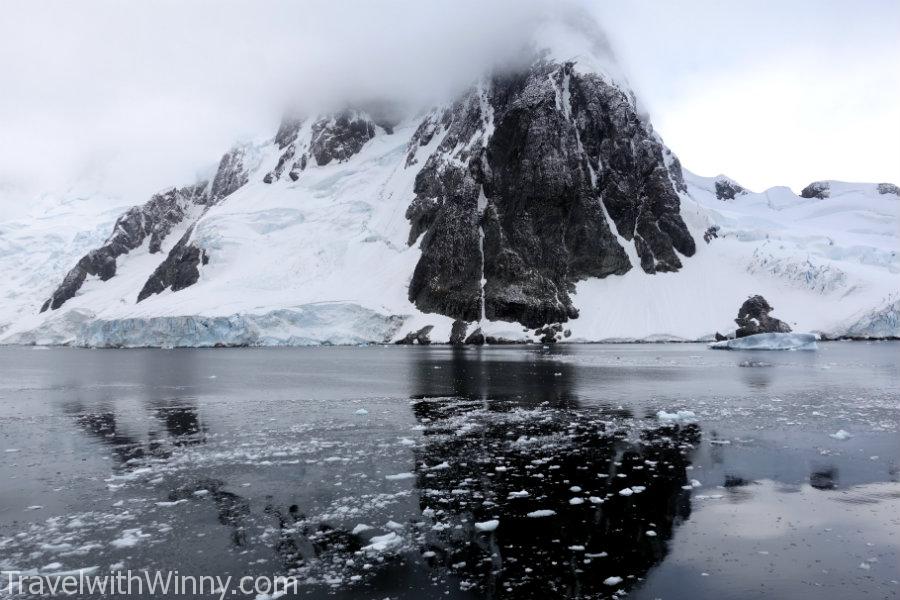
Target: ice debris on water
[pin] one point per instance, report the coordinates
(546, 512)
(490, 525)
(362, 411)
(683, 416)
(399, 476)
(841, 434)
(380, 543)
(130, 538)
(612, 580)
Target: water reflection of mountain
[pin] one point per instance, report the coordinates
(615, 495)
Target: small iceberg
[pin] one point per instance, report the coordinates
(769, 341)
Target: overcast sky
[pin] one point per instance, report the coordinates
(129, 97)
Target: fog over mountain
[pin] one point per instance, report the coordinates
(94, 92)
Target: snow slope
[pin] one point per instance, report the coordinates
(824, 264)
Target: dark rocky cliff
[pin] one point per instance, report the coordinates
(518, 191)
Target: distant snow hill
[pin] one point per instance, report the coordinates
(538, 197)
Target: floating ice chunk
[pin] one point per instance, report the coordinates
(650, 533)
(130, 538)
(362, 411)
(399, 476)
(537, 514)
(406, 442)
(360, 528)
(841, 434)
(521, 494)
(11, 450)
(769, 341)
(272, 596)
(576, 501)
(34, 507)
(576, 548)
(487, 525)
(682, 416)
(380, 543)
(119, 566)
(575, 488)
(393, 525)
(175, 503)
(626, 492)
(440, 467)
(612, 580)
(595, 500)
(54, 566)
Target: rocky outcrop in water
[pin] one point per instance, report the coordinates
(476, 338)
(518, 191)
(181, 268)
(420, 337)
(458, 332)
(753, 317)
(817, 189)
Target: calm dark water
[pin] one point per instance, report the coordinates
(364, 471)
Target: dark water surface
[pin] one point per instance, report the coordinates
(364, 471)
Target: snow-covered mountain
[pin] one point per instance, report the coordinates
(541, 195)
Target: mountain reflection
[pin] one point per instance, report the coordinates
(584, 506)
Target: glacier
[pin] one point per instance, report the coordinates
(769, 341)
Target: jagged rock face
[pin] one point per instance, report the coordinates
(888, 188)
(286, 140)
(334, 137)
(340, 136)
(817, 189)
(458, 332)
(727, 189)
(179, 270)
(518, 190)
(232, 174)
(155, 219)
(753, 317)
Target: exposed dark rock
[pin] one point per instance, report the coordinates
(287, 131)
(338, 137)
(179, 270)
(550, 334)
(675, 171)
(153, 220)
(817, 189)
(711, 233)
(458, 332)
(727, 189)
(286, 139)
(233, 173)
(753, 318)
(720, 337)
(565, 146)
(888, 188)
(476, 338)
(420, 337)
